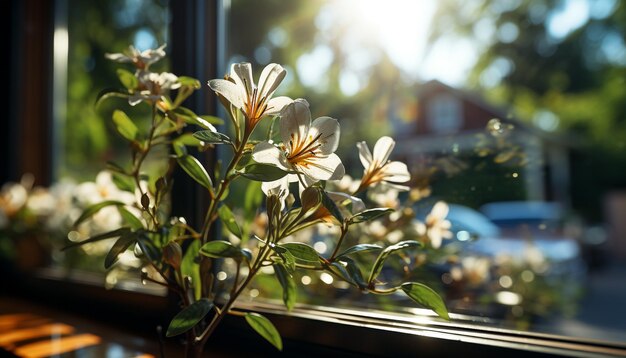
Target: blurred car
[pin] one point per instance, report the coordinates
(510, 255)
(536, 223)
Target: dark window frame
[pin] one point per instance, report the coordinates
(309, 329)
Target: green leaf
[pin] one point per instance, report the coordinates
(179, 149)
(115, 168)
(190, 267)
(190, 117)
(119, 247)
(247, 254)
(220, 249)
(129, 218)
(192, 166)
(355, 272)
(302, 252)
(148, 246)
(213, 120)
(343, 272)
(127, 79)
(246, 158)
(189, 81)
(350, 272)
(189, 317)
(189, 140)
(124, 125)
(369, 214)
(211, 137)
(253, 200)
(124, 182)
(330, 205)
(426, 297)
(380, 260)
(103, 236)
(90, 211)
(109, 93)
(360, 248)
(288, 283)
(229, 220)
(265, 328)
(262, 172)
(288, 259)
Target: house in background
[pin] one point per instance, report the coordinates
(449, 121)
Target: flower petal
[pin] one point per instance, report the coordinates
(396, 172)
(272, 75)
(242, 75)
(383, 148)
(229, 90)
(268, 153)
(275, 105)
(435, 238)
(440, 210)
(295, 122)
(276, 187)
(329, 130)
(396, 187)
(119, 57)
(364, 154)
(279, 187)
(324, 168)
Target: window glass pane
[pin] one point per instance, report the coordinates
(510, 112)
(84, 133)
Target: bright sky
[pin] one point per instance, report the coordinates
(400, 28)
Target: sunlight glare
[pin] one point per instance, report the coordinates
(397, 26)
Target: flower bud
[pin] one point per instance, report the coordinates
(173, 254)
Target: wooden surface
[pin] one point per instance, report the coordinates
(32, 330)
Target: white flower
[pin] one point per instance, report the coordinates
(308, 148)
(475, 270)
(385, 196)
(347, 184)
(395, 236)
(13, 197)
(437, 227)
(533, 257)
(378, 168)
(141, 59)
(377, 229)
(103, 189)
(41, 202)
(65, 211)
(152, 86)
(254, 101)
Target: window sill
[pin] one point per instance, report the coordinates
(307, 329)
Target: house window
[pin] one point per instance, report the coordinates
(444, 114)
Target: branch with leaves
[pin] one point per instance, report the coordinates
(183, 258)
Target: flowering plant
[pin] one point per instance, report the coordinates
(296, 149)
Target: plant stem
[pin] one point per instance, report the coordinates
(221, 189)
(233, 297)
(142, 156)
(344, 231)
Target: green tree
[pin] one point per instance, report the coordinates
(532, 66)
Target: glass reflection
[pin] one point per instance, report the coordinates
(507, 114)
